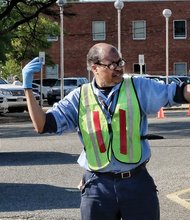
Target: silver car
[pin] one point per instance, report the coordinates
(15, 96)
(3, 104)
(70, 83)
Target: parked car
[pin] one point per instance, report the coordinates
(15, 96)
(36, 88)
(54, 94)
(46, 82)
(46, 85)
(3, 104)
(185, 79)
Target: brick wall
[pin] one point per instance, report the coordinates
(78, 37)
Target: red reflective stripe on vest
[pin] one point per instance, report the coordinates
(123, 132)
(98, 131)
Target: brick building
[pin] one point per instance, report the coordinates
(143, 31)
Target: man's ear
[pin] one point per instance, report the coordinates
(94, 68)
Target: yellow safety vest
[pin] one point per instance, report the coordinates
(121, 137)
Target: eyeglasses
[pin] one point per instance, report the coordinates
(113, 65)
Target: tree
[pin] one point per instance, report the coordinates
(27, 46)
(14, 13)
(24, 28)
(10, 68)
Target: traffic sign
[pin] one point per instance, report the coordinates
(42, 57)
(141, 59)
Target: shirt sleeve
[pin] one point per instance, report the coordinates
(65, 113)
(50, 124)
(153, 95)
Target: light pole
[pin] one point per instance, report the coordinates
(61, 3)
(167, 13)
(119, 6)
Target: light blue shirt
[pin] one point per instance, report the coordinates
(152, 96)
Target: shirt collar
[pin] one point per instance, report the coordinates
(99, 93)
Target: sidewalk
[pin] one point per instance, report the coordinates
(180, 107)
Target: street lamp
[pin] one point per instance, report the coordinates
(119, 6)
(167, 13)
(61, 3)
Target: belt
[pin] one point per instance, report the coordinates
(123, 175)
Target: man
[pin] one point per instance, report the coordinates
(111, 115)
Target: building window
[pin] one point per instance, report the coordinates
(52, 71)
(180, 68)
(98, 30)
(139, 30)
(180, 29)
(136, 68)
(52, 38)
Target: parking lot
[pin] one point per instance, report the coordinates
(40, 174)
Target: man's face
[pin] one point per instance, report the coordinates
(109, 71)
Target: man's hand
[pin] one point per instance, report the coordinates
(28, 71)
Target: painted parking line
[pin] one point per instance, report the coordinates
(185, 202)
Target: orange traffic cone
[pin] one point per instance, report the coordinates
(160, 114)
(188, 113)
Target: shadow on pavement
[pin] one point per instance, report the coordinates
(30, 197)
(169, 130)
(18, 132)
(36, 158)
(25, 131)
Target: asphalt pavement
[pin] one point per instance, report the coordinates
(40, 174)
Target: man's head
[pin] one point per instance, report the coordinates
(105, 62)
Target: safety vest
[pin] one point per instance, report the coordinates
(121, 137)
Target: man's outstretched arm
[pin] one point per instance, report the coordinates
(37, 115)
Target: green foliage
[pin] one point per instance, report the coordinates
(5, 46)
(32, 38)
(10, 68)
(24, 28)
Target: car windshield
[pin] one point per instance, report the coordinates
(2, 81)
(46, 82)
(67, 82)
(70, 82)
(185, 79)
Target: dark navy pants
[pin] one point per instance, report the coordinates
(109, 198)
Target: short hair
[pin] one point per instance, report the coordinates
(97, 53)
(94, 56)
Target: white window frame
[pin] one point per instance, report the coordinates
(185, 69)
(143, 28)
(98, 36)
(180, 37)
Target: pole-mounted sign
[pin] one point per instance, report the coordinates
(42, 59)
(141, 62)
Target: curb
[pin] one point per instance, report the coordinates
(180, 107)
